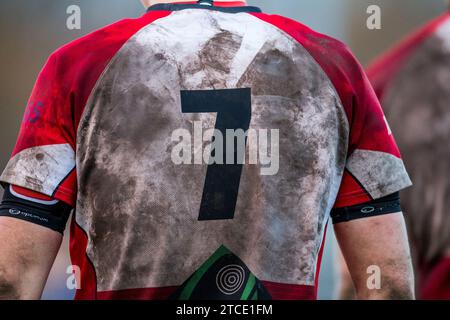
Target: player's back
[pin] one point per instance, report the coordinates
(209, 144)
(192, 71)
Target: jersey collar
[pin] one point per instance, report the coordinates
(230, 7)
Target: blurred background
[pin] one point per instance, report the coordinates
(30, 30)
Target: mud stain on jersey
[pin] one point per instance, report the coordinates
(273, 73)
(40, 168)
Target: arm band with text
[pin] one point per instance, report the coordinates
(49, 214)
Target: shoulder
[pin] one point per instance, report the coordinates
(321, 46)
(73, 70)
(333, 56)
(77, 66)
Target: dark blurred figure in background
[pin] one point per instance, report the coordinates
(413, 83)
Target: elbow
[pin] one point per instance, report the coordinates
(393, 293)
(391, 289)
(400, 284)
(399, 289)
(9, 285)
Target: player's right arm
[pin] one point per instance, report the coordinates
(27, 254)
(40, 187)
(377, 249)
(31, 229)
(367, 217)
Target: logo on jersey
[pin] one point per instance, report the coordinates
(34, 112)
(230, 279)
(222, 277)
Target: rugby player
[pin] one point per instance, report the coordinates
(160, 212)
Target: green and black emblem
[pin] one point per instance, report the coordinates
(222, 277)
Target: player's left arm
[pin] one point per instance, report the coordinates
(378, 243)
(369, 225)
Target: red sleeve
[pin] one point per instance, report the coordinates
(374, 167)
(44, 157)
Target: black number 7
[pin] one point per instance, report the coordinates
(234, 111)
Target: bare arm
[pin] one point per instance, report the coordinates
(27, 253)
(382, 242)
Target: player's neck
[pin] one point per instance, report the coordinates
(225, 2)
